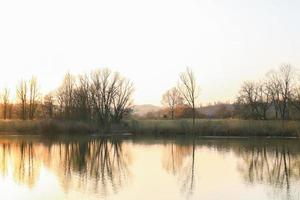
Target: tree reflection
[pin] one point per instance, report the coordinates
(25, 165)
(179, 160)
(276, 164)
(5, 148)
(103, 162)
(174, 157)
(275, 167)
(100, 165)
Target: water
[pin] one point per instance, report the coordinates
(148, 168)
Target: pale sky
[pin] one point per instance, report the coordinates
(149, 41)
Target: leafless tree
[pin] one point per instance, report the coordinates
(273, 88)
(65, 96)
(278, 92)
(248, 99)
(10, 109)
(104, 84)
(189, 90)
(102, 96)
(5, 101)
(286, 77)
(255, 99)
(264, 99)
(59, 101)
(22, 96)
(48, 106)
(123, 100)
(82, 100)
(171, 99)
(33, 97)
(281, 85)
(296, 98)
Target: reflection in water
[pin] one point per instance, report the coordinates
(102, 162)
(5, 148)
(26, 167)
(179, 160)
(275, 167)
(90, 168)
(21, 158)
(174, 157)
(274, 164)
(97, 165)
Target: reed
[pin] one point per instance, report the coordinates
(214, 127)
(203, 127)
(47, 127)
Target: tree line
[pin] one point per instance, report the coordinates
(27, 95)
(275, 97)
(183, 96)
(105, 97)
(101, 96)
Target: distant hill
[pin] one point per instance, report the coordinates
(211, 110)
(142, 110)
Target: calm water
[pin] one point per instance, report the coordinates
(125, 168)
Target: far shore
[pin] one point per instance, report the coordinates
(204, 128)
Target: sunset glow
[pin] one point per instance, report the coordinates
(150, 42)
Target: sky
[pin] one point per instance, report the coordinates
(149, 42)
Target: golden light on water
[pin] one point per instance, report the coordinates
(116, 169)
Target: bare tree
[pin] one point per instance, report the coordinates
(22, 96)
(255, 99)
(273, 88)
(104, 85)
(264, 99)
(278, 92)
(69, 85)
(5, 100)
(123, 99)
(286, 78)
(82, 100)
(33, 97)
(171, 99)
(296, 98)
(65, 96)
(248, 99)
(103, 96)
(48, 106)
(59, 101)
(281, 85)
(10, 111)
(189, 90)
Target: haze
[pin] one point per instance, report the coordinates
(150, 42)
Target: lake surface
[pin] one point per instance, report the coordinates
(148, 168)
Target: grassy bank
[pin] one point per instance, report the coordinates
(227, 127)
(47, 127)
(203, 127)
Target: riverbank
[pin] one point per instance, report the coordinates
(203, 128)
(45, 127)
(218, 128)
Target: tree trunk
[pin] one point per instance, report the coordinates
(194, 116)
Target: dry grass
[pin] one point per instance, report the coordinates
(48, 127)
(203, 127)
(227, 127)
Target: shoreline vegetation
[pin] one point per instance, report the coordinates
(205, 128)
(101, 103)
